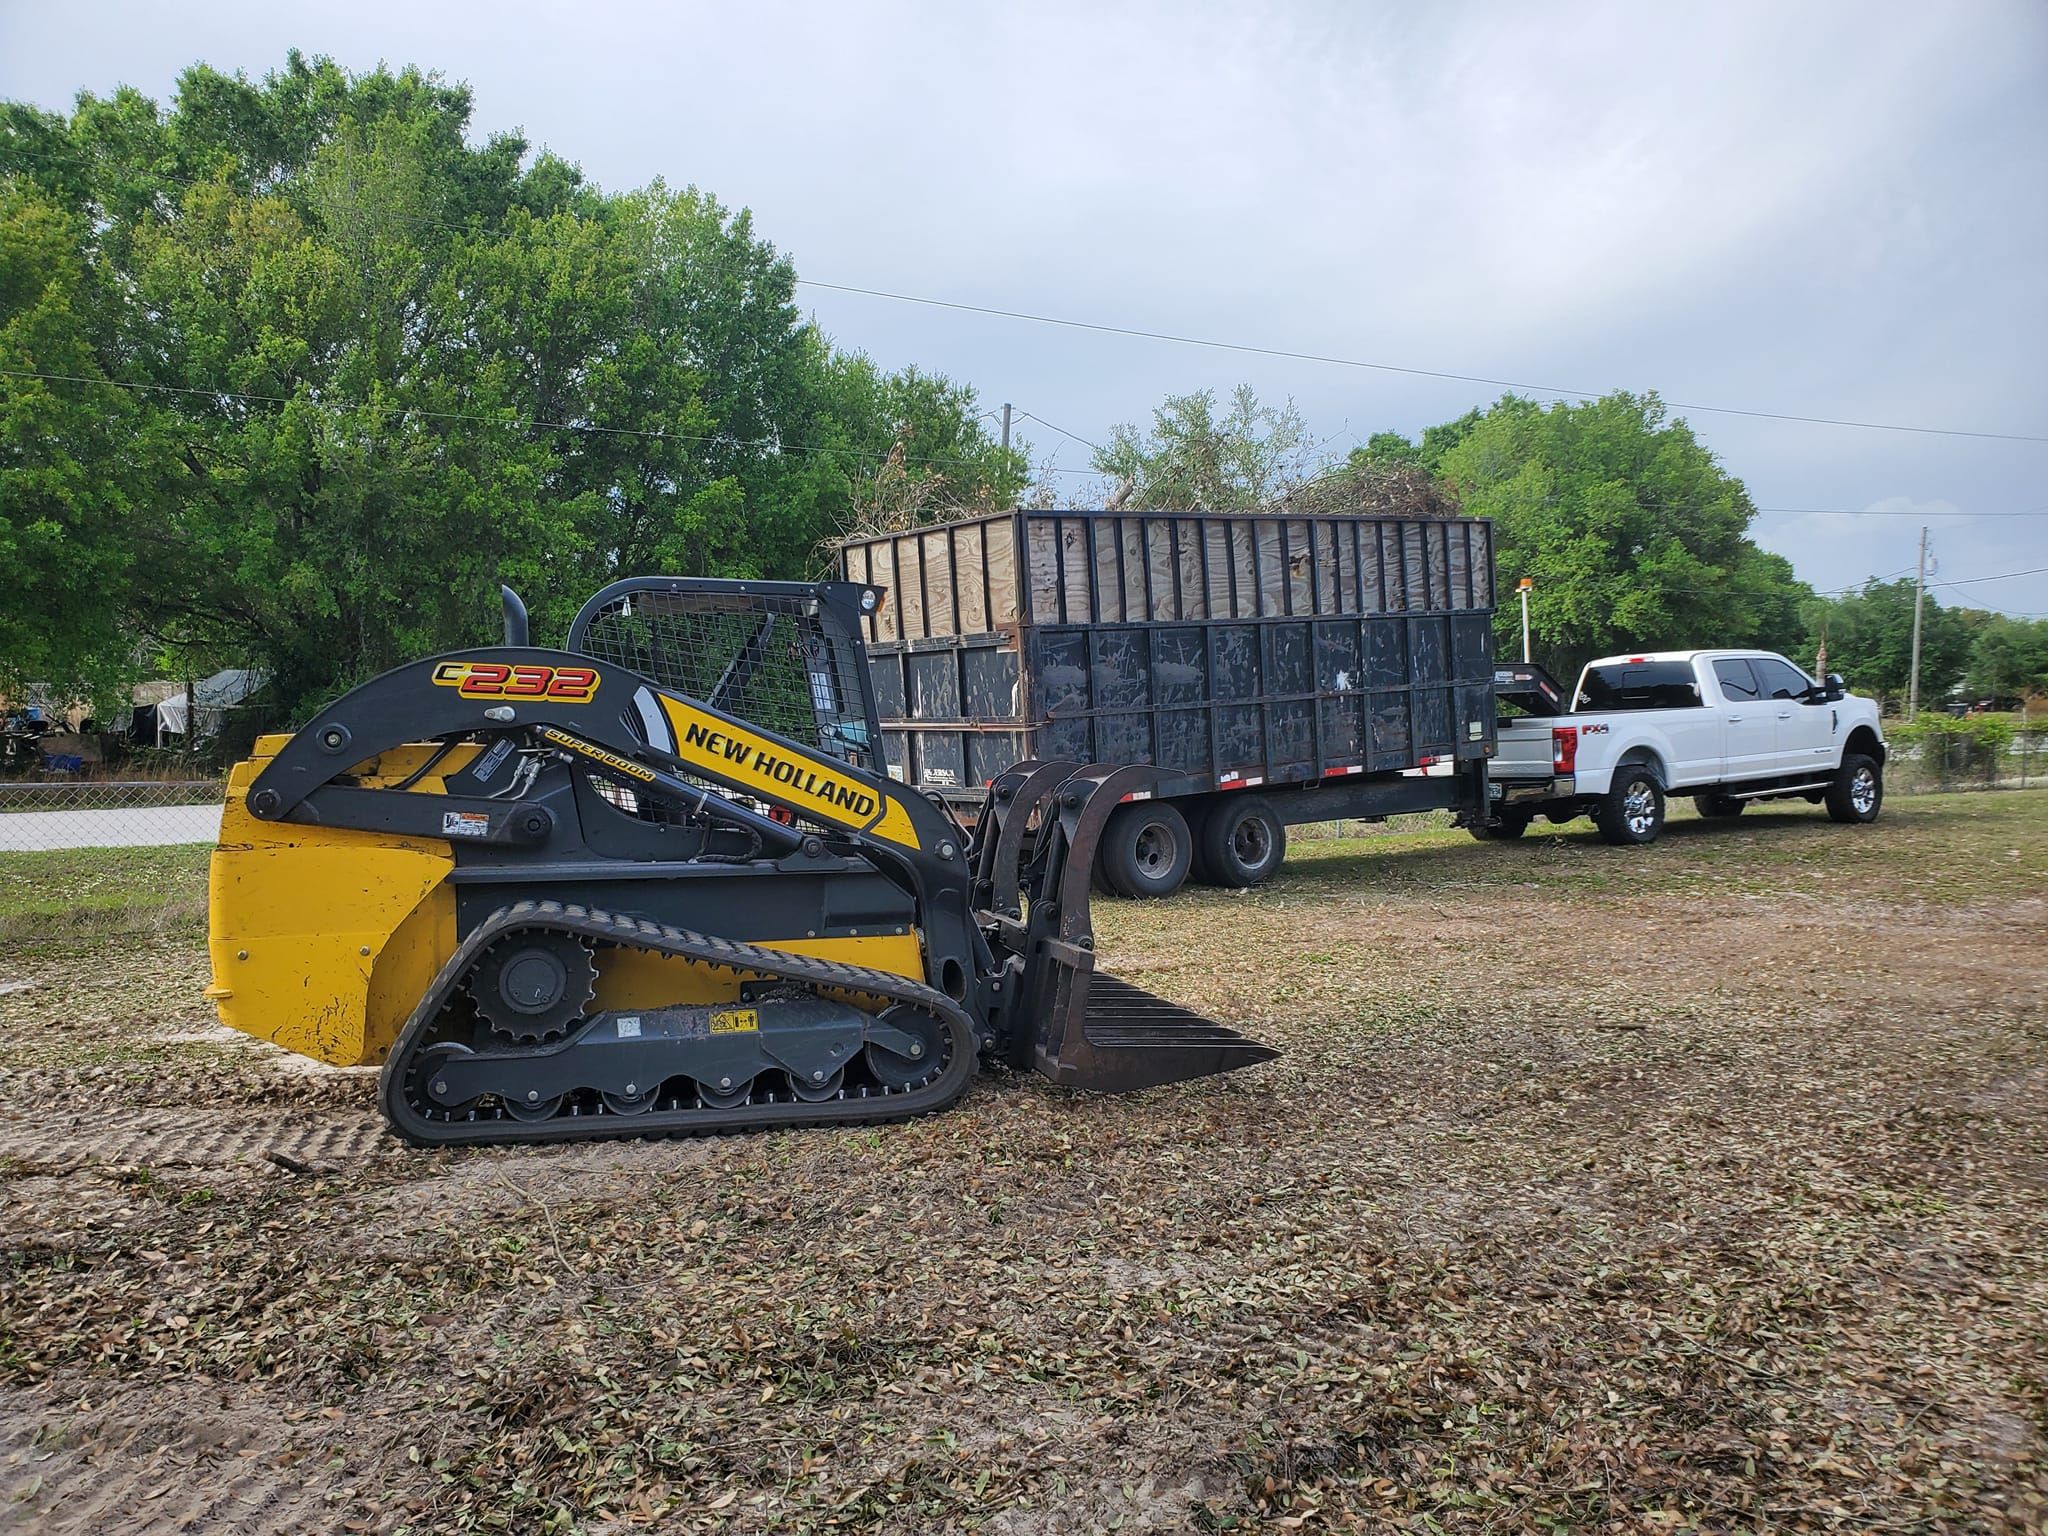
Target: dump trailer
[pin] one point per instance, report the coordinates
(657, 882)
(1274, 670)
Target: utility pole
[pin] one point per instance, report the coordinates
(1006, 426)
(1919, 592)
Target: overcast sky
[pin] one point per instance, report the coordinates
(1817, 210)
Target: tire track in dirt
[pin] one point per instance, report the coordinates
(152, 1469)
(201, 1137)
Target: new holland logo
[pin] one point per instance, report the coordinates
(791, 773)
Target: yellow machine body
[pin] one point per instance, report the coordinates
(323, 939)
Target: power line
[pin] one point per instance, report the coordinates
(1963, 581)
(1971, 581)
(1876, 512)
(776, 445)
(1868, 581)
(1063, 432)
(1424, 373)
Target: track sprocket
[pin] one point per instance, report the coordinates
(531, 986)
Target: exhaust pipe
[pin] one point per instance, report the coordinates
(516, 630)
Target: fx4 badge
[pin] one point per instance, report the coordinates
(503, 680)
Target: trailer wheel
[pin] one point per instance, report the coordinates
(1632, 810)
(1717, 807)
(1509, 824)
(1243, 841)
(1146, 849)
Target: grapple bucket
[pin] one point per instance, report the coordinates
(1075, 1024)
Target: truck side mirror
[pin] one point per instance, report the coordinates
(1825, 691)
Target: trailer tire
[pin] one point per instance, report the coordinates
(1717, 807)
(1632, 810)
(1242, 842)
(1146, 849)
(1505, 827)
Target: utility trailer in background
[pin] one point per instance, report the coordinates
(1275, 670)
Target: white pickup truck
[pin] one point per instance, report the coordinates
(1726, 727)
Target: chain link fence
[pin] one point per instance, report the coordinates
(38, 815)
(1929, 757)
(1937, 754)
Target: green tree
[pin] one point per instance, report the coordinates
(1635, 535)
(935, 457)
(1869, 640)
(68, 478)
(2008, 658)
(357, 369)
(1249, 456)
(1437, 441)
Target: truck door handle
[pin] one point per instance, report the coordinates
(1784, 714)
(1735, 719)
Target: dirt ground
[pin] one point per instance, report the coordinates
(1698, 1187)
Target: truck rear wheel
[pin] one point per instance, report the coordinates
(1242, 843)
(1857, 793)
(1632, 810)
(1146, 849)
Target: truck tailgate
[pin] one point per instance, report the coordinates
(1524, 737)
(1524, 749)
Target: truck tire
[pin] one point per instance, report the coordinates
(1146, 849)
(1717, 807)
(1507, 826)
(1242, 843)
(1632, 810)
(1857, 793)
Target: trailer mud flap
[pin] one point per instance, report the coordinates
(1093, 1029)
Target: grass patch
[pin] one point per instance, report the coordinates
(91, 894)
(1955, 849)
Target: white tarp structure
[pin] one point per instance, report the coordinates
(209, 700)
(171, 716)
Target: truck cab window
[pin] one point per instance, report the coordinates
(1640, 685)
(1738, 683)
(1778, 679)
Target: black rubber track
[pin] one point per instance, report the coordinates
(396, 1086)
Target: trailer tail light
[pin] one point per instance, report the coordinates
(1564, 748)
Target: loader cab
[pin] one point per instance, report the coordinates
(787, 655)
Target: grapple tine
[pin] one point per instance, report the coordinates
(1013, 800)
(1092, 1029)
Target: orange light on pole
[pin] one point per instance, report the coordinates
(1526, 586)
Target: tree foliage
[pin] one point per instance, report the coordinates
(1634, 534)
(330, 370)
(1869, 640)
(1868, 636)
(66, 485)
(1248, 456)
(2008, 658)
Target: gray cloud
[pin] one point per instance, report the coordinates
(1824, 209)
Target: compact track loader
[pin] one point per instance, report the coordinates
(658, 883)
